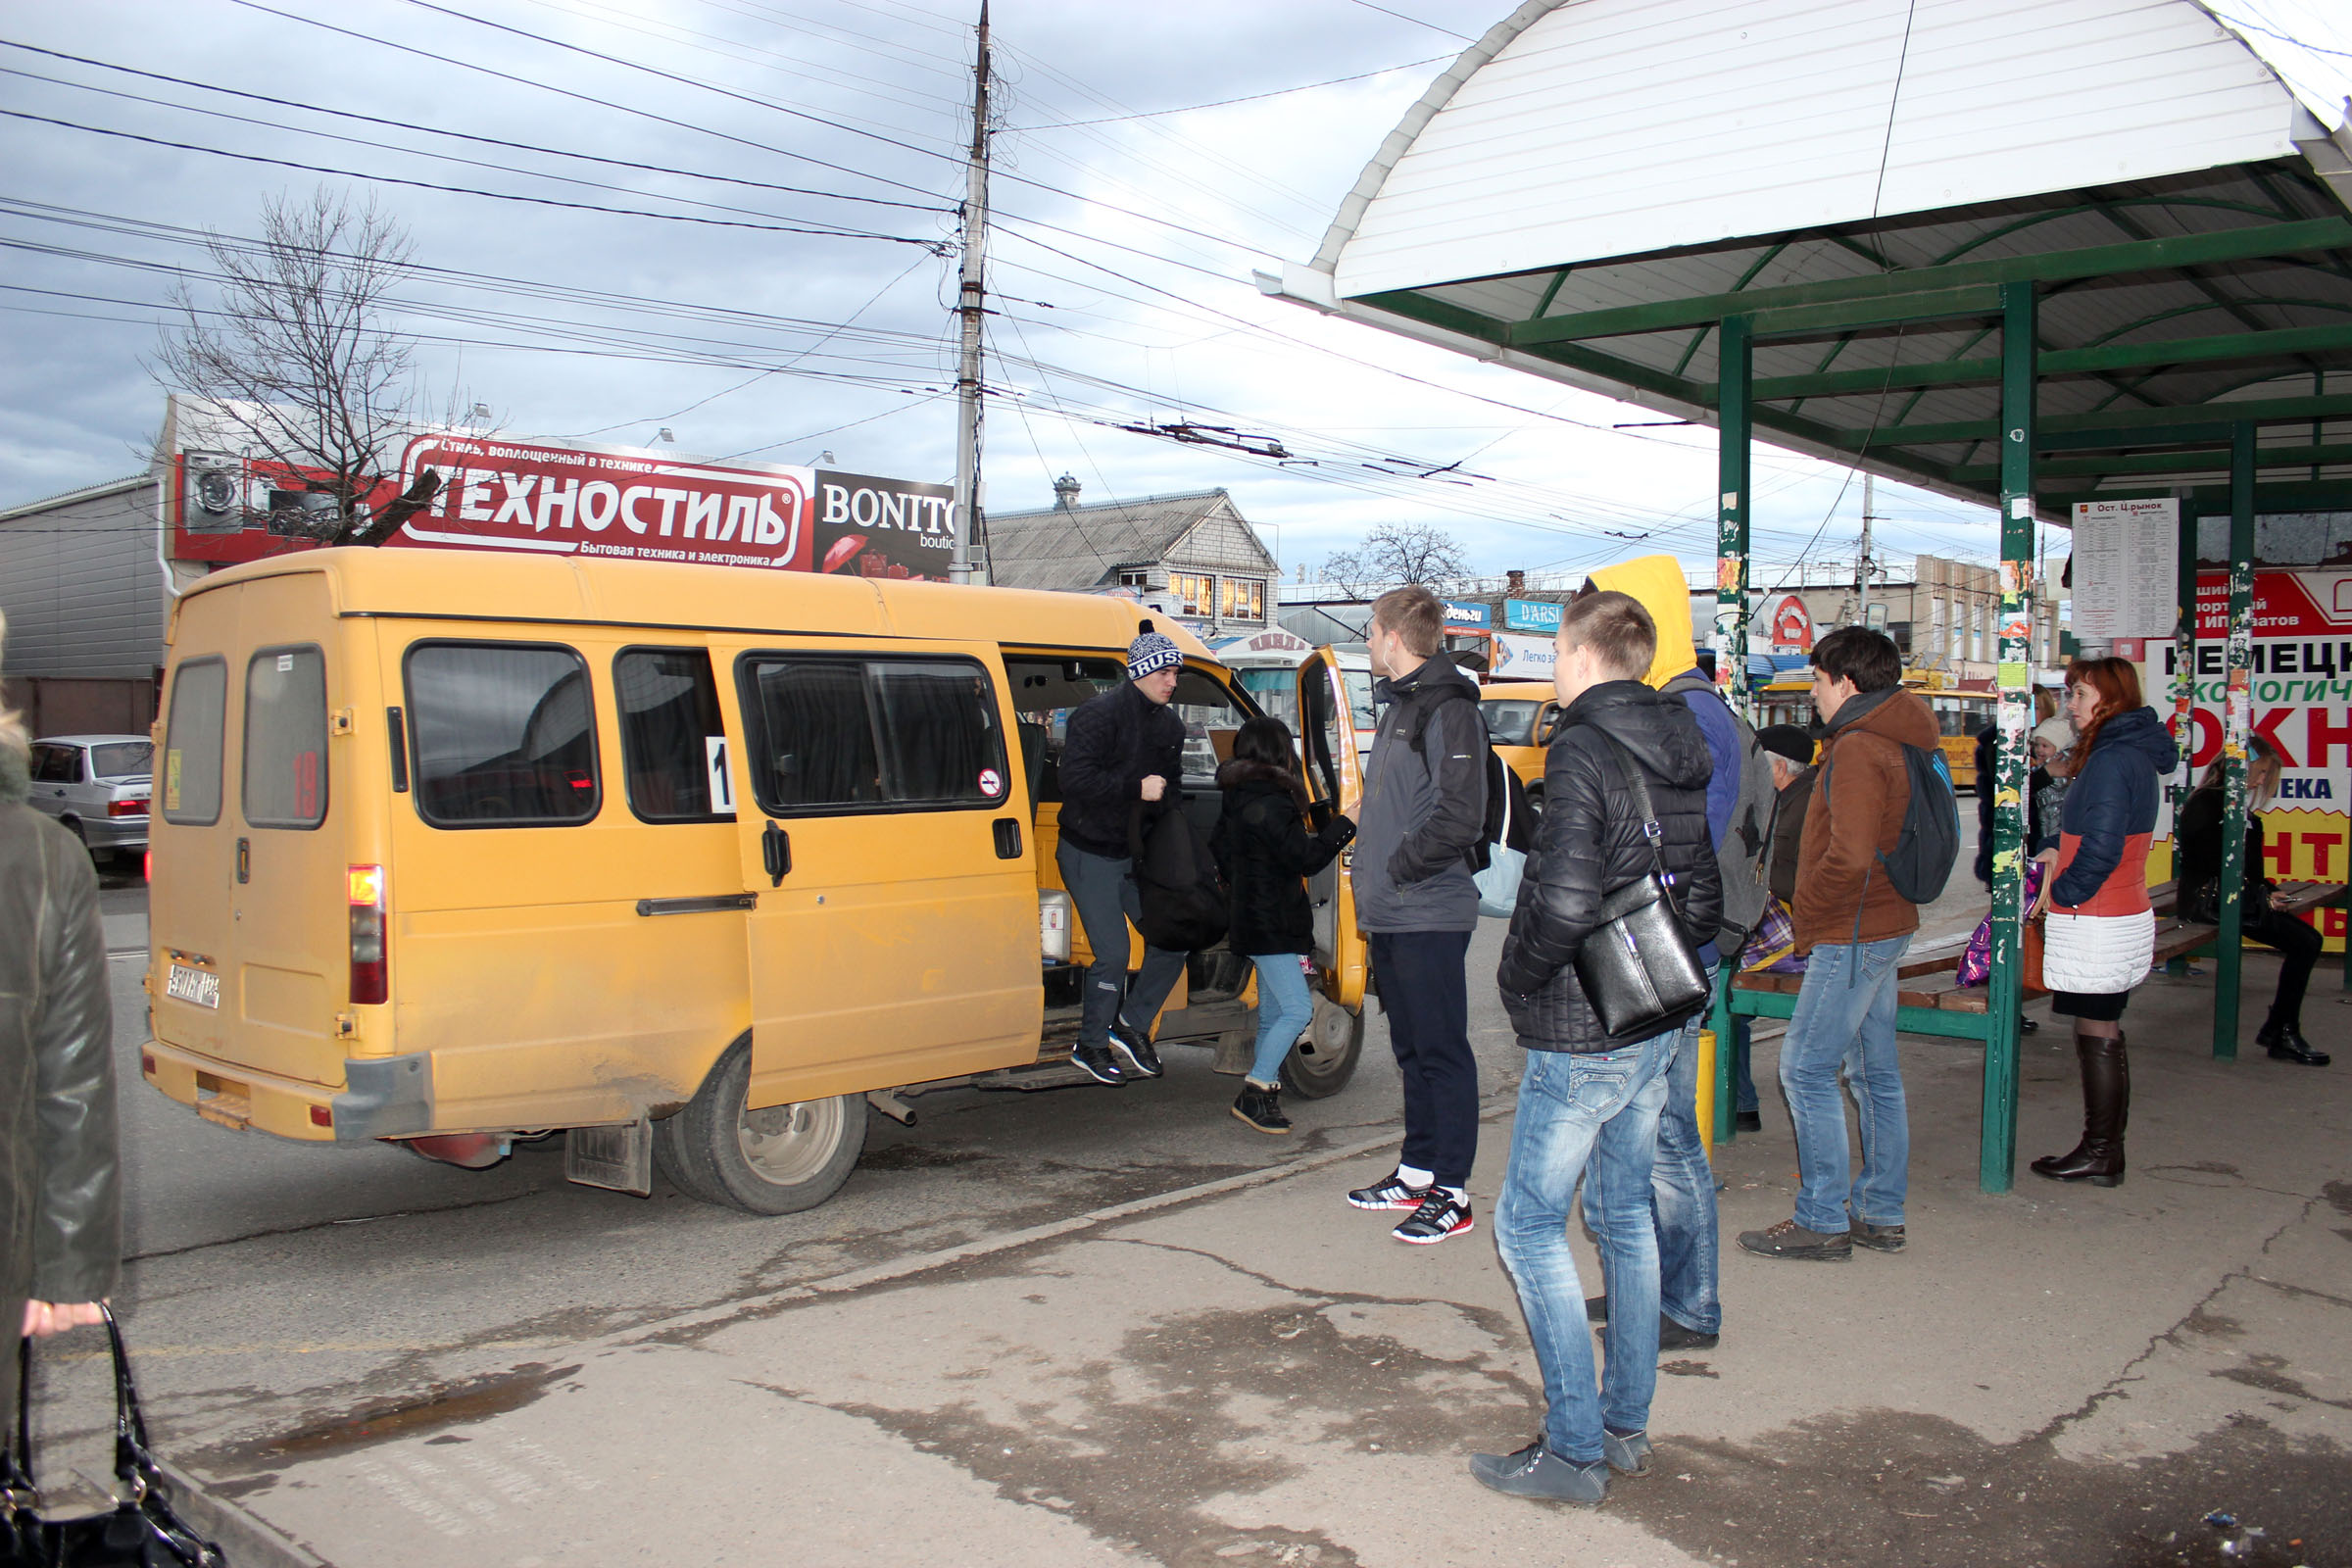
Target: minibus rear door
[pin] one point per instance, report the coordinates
(893, 928)
(1335, 780)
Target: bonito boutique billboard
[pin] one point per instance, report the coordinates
(618, 503)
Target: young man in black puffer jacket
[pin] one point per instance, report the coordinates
(1590, 1102)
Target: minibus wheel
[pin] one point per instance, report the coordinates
(1324, 1058)
(779, 1159)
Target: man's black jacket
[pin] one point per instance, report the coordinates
(1590, 843)
(1112, 744)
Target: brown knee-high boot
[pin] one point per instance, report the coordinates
(2106, 1107)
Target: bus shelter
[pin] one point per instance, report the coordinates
(2024, 256)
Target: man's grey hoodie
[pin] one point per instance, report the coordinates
(1424, 807)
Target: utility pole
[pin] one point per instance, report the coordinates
(969, 307)
(1862, 561)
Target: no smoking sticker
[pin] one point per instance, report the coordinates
(992, 783)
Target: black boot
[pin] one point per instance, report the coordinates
(1261, 1105)
(2285, 1043)
(2106, 1108)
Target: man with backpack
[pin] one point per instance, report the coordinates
(1741, 799)
(1422, 821)
(1877, 805)
(1120, 750)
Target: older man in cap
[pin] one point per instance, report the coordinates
(1122, 748)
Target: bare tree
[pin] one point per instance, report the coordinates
(1398, 554)
(297, 367)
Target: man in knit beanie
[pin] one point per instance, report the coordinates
(1122, 748)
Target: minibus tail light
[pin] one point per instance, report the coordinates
(369, 982)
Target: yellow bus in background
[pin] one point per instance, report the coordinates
(1960, 715)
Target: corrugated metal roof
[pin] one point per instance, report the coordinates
(1608, 155)
(87, 492)
(1620, 128)
(1070, 549)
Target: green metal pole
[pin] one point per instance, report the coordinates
(1996, 1152)
(2237, 716)
(2185, 668)
(1736, 369)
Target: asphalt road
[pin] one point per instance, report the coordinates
(273, 1288)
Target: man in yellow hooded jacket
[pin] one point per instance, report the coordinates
(1682, 1183)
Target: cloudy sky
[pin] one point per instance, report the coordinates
(728, 217)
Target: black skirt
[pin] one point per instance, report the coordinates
(2097, 1006)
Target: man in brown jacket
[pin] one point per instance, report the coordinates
(1854, 928)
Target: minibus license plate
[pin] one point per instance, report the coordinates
(199, 986)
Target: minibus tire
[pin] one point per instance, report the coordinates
(777, 1161)
(1320, 1064)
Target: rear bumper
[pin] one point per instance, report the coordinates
(115, 832)
(386, 1096)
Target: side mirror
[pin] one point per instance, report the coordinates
(1547, 724)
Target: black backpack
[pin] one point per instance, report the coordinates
(1509, 820)
(1179, 890)
(1744, 857)
(1929, 845)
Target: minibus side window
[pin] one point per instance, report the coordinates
(284, 782)
(1210, 721)
(191, 782)
(849, 734)
(502, 735)
(671, 740)
(1510, 722)
(939, 733)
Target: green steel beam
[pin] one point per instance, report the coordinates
(2061, 361)
(1735, 367)
(2138, 256)
(1996, 1154)
(2184, 670)
(1893, 310)
(2253, 410)
(2154, 462)
(2237, 707)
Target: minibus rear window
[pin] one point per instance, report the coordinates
(192, 743)
(671, 741)
(285, 783)
(502, 735)
(884, 734)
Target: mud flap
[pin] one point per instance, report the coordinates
(618, 1158)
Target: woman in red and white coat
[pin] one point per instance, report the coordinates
(2100, 939)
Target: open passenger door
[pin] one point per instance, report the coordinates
(1335, 782)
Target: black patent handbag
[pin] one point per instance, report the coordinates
(1638, 968)
(141, 1530)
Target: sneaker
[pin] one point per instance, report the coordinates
(1791, 1240)
(1096, 1062)
(1441, 1214)
(1877, 1238)
(1134, 1047)
(1262, 1109)
(1390, 1191)
(1673, 1336)
(1535, 1471)
(1627, 1453)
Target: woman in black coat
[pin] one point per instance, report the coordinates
(2199, 875)
(1266, 850)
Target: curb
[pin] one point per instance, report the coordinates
(244, 1541)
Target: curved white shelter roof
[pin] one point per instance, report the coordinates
(1596, 184)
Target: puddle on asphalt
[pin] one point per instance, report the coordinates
(456, 1404)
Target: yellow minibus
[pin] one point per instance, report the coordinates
(1520, 715)
(695, 864)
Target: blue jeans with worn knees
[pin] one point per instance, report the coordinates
(1845, 1018)
(1284, 1010)
(1681, 1188)
(1743, 1077)
(1104, 892)
(1593, 1117)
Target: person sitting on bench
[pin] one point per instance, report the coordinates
(2200, 881)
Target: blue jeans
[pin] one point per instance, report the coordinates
(1681, 1185)
(1743, 1078)
(1593, 1117)
(1845, 1017)
(1284, 1010)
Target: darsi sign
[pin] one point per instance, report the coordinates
(520, 495)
